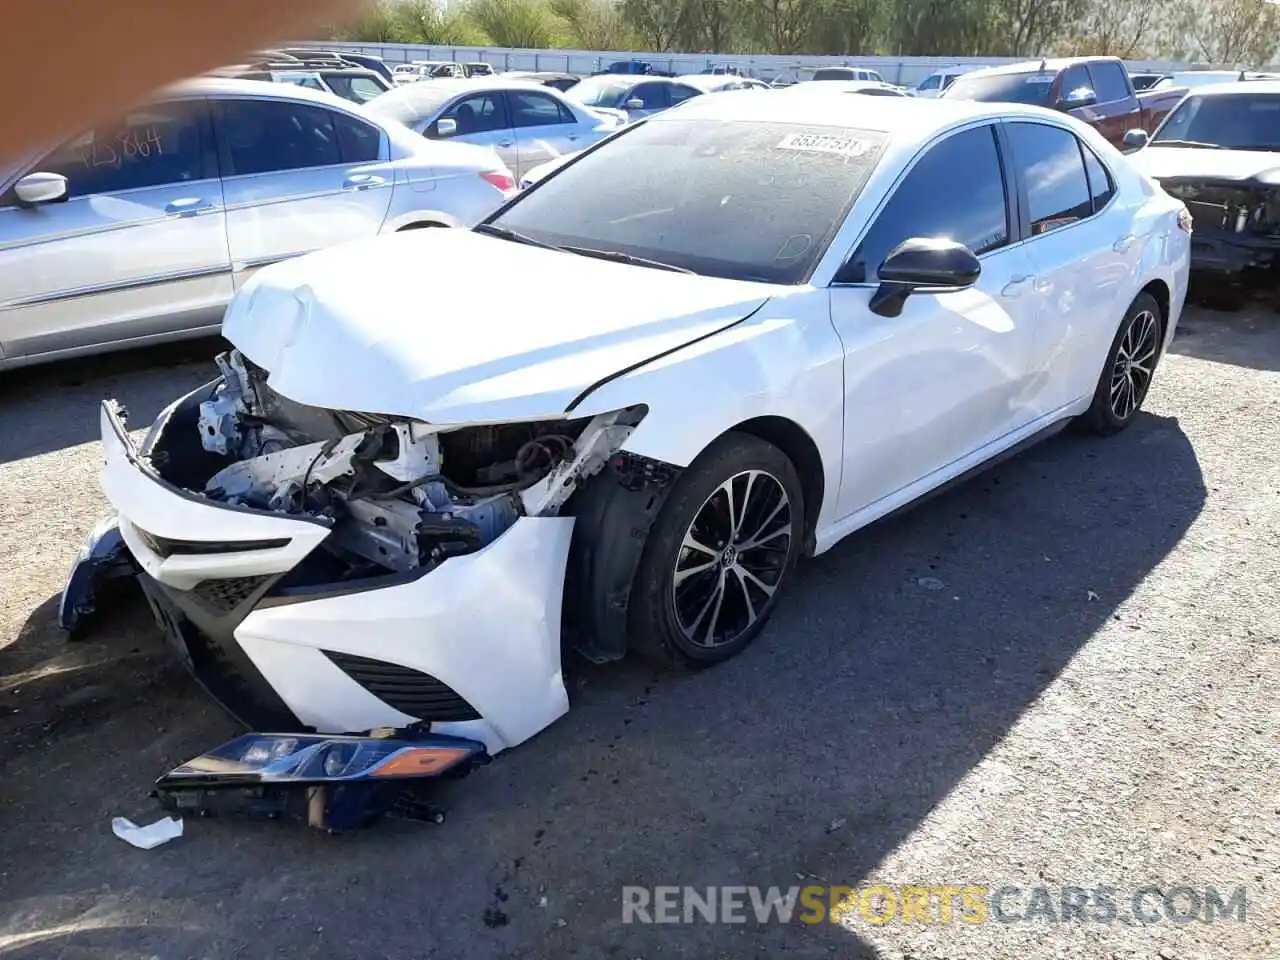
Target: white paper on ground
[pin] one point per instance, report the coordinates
(145, 838)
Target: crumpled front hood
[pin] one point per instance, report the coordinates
(1164, 163)
(449, 326)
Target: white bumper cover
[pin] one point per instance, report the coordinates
(487, 624)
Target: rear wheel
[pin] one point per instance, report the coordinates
(719, 554)
(1131, 363)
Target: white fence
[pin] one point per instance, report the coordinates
(907, 71)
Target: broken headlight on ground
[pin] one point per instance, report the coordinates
(400, 495)
(333, 782)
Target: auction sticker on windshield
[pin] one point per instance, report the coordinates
(825, 143)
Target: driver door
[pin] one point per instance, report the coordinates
(927, 390)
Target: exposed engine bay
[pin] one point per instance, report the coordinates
(400, 495)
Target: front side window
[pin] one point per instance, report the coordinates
(739, 199)
(265, 136)
(153, 146)
(1053, 171)
(955, 191)
(478, 113)
(1237, 121)
(536, 110)
(653, 96)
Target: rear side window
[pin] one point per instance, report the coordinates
(358, 142)
(265, 136)
(1052, 168)
(680, 93)
(536, 110)
(654, 96)
(153, 146)
(1101, 187)
(1108, 82)
(955, 191)
(1074, 78)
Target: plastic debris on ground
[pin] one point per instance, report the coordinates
(148, 837)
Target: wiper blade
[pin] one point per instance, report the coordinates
(1187, 143)
(491, 230)
(617, 257)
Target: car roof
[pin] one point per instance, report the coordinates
(1236, 86)
(905, 117)
(233, 86)
(1050, 65)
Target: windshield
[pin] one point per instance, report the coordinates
(740, 199)
(598, 92)
(1032, 88)
(1238, 121)
(411, 104)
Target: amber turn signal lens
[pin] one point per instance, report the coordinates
(420, 761)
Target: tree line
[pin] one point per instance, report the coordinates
(1234, 32)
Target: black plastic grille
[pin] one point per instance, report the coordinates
(409, 691)
(223, 596)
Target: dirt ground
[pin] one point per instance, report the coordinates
(1064, 673)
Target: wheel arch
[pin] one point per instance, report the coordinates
(1163, 296)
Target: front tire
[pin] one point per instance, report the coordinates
(718, 555)
(1131, 363)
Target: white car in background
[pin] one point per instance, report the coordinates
(722, 340)
(870, 88)
(721, 82)
(524, 122)
(935, 84)
(143, 228)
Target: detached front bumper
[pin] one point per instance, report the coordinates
(473, 646)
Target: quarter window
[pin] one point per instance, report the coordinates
(1052, 168)
(154, 146)
(537, 110)
(1101, 186)
(955, 191)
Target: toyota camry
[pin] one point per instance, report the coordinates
(718, 342)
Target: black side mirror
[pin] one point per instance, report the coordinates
(923, 264)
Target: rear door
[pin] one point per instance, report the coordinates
(1082, 257)
(544, 129)
(1118, 110)
(482, 119)
(139, 248)
(297, 177)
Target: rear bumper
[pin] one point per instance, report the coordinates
(473, 646)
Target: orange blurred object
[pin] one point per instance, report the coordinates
(90, 58)
(421, 761)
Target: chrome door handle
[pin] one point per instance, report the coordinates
(1124, 243)
(362, 181)
(187, 207)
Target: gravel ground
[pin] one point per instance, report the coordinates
(1062, 674)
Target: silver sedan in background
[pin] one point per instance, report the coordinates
(141, 229)
(632, 96)
(526, 123)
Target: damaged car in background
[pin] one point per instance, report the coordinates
(1219, 153)
(718, 341)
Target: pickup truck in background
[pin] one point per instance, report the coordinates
(1096, 90)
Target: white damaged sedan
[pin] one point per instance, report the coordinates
(721, 340)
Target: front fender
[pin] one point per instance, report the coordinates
(785, 361)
